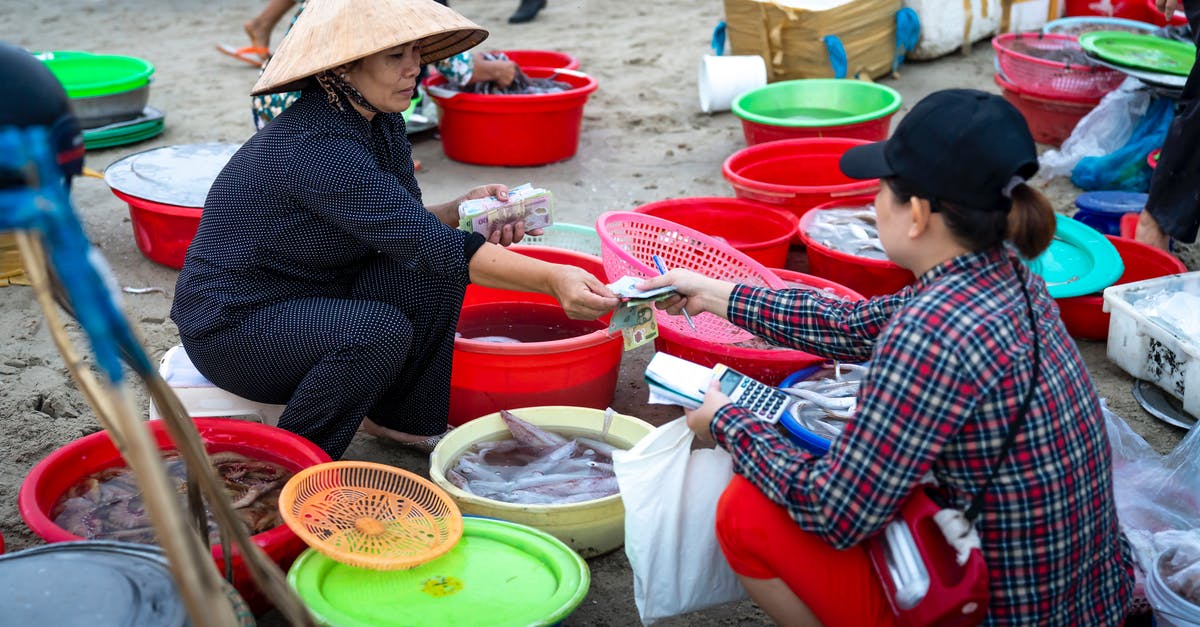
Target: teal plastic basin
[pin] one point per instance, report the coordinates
(90, 75)
(817, 102)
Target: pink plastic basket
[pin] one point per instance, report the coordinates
(1019, 58)
(628, 242)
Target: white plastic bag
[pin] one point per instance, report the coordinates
(670, 494)
(1157, 496)
(1102, 131)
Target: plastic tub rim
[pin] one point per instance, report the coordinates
(809, 216)
(788, 191)
(31, 512)
(999, 41)
(581, 571)
(443, 96)
(782, 214)
(134, 80)
(438, 475)
(589, 340)
(1048, 29)
(894, 106)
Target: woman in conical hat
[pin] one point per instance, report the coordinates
(319, 277)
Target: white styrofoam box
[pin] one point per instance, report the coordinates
(1148, 349)
(1031, 15)
(202, 399)
(945, 22)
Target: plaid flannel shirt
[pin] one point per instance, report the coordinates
(950, 364)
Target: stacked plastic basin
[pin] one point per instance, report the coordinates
(1047, 78)
(817, 107)
(109, 95)
(795, 174)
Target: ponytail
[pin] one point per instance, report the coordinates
(1029, 225)
(1031, 222)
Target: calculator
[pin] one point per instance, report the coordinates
(766, 402)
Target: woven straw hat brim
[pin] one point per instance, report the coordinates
(330, 33)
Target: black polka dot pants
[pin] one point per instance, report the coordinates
(384, 351)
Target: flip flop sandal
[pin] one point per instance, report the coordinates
(253, 55)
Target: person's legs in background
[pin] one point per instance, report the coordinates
(260, 26)
(526, 11)
(1173, 208)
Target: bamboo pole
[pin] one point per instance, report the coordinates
(263, 571)
(191, 566)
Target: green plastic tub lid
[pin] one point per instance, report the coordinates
(148, 124)
(1079, 261)
(177, 175)
(1145, 52)
(499, 573)
(96, 582)
(817, 102)
(88, 75)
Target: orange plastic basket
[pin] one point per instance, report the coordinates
(629, 241)
(370, 515)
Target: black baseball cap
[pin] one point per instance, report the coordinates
(959, 145)
(34, 97)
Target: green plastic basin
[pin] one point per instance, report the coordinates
(86, 76)
(817, 102)
(500, 574)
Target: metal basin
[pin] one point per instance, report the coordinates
(122, 106)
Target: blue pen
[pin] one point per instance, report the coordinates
(662, 269)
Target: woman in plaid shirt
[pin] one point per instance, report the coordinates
(951, 364)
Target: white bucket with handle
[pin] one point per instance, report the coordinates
(723, 78)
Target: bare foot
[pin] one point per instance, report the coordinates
(259, 33)
(1148, 232)
(391, 434)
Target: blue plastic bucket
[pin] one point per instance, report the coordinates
(1103, 210)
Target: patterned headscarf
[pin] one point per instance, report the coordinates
(336, 86)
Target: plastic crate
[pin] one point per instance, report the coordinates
(1149, 350)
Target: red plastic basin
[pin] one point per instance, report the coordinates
(1129, 223)
(1140, 10)
(869, 277)
(1050, 120)
(871, 130)
(512, 130)
(797, 174)
(578, 367)
(770, 366)
(68, 465)
(761, 231)
(542, 58)
(1084, 316)
(162, 232)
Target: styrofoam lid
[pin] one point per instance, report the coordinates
(172, 175)
(89, 583)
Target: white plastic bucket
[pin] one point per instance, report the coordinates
(726, 77)
(1170, 609)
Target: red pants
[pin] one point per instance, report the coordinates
(761, 541)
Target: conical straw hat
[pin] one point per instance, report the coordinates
(330, 33)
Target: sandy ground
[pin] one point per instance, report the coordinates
(643, 139)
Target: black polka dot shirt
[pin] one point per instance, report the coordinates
(301, 208)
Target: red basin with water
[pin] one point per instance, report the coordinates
(559, 362)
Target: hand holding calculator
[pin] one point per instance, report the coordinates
(764, 401)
